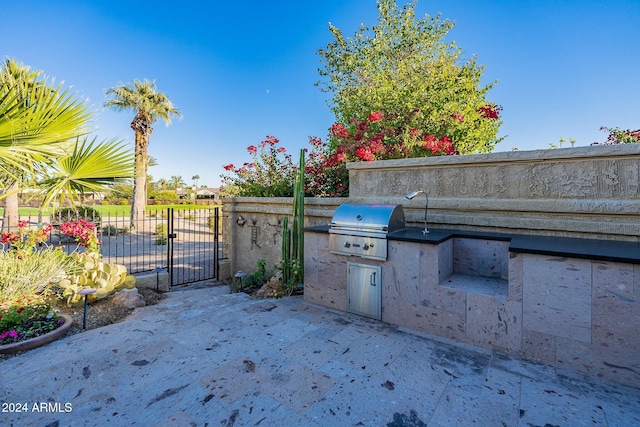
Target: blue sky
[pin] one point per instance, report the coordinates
(239, 71)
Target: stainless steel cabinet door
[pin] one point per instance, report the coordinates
(364, 288)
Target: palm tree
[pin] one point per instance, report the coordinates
(195, 179)
(162, 183)
(150, 105)
(36, 121)
(177, 182)
(38, 124)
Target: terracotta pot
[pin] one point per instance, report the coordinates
(39, 340)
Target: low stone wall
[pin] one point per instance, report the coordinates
(585, 192)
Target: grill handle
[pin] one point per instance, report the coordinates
(372, 279)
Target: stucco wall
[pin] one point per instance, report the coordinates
(252, 228)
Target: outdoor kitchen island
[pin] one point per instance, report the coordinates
(569, 303)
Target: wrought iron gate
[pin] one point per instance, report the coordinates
(193, 245)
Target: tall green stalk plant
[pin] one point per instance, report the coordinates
(293, 240)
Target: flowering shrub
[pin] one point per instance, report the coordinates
(619, 136)
(24, 320)
(84, 233)
(27, 239)
(379, 136)
(270, 173)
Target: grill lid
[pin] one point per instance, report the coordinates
(363, 219)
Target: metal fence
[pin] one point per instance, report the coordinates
(185, 242)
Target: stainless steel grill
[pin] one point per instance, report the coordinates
(361, 230)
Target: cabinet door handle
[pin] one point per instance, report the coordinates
(372, 279)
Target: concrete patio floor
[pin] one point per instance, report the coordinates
(203, 357)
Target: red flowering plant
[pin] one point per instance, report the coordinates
(326, 174)
(27, 319)
(384, 136)
(380, 136)
(26, 240)
(620, 136)
(84, 233)
(270, 173)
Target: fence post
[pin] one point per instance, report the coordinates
(170, 236)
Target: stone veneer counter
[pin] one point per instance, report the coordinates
(601, 250)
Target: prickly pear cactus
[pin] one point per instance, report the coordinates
(105, 278)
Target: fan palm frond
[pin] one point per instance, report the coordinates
(91, 166)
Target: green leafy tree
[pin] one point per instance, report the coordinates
(404, 73)
(150, 106)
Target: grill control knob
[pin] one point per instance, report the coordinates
(347, 244)
(365, 246)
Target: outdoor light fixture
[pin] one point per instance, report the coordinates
(239, 276)
(426, 206)
(86, 291)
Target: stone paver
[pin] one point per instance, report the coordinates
(204, 357)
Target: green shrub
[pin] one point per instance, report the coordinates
(161, 234)
(124, 202)
(71, 214)
(252, 282)
(109, 230)
(165, 197)
(161, 229)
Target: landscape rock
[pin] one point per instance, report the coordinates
(129, 299)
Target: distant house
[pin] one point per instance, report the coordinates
(212, 193)
(208, 193)
(32, 197)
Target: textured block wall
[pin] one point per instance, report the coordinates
(589, 192)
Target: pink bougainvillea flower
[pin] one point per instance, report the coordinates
(376, 116)
(364, 153)
(458, 117)
(271, 140)
(338, 130)
(490, 111)
(229, 167)
(315, 141)
(252, 149)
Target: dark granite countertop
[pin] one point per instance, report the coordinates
(603, 250)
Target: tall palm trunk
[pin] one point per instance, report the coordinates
(140, 180)
(10, 221)
(141, 125)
